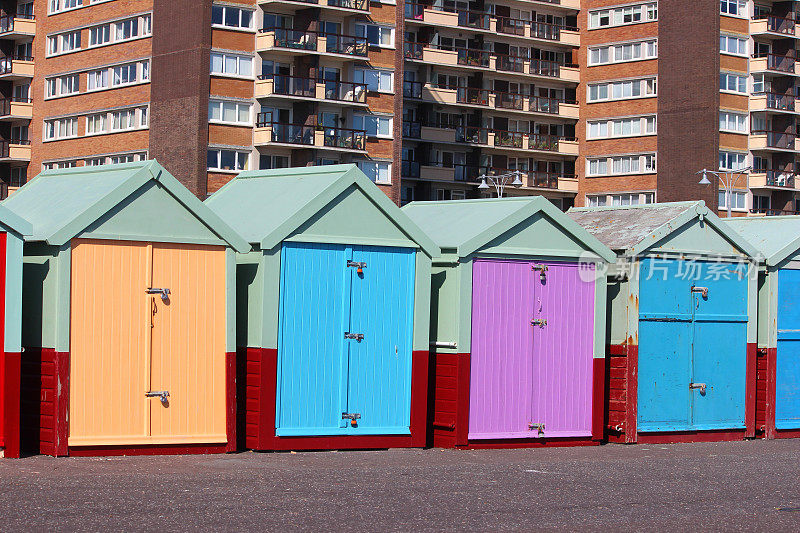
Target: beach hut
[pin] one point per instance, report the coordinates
(777, 240)
(12, 230)
(128, 314)
(518, 324)
(334, 310)
(682, 337)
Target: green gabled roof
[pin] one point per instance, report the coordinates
(632, 229)
(14, 222)
(267, 206)
(776, 238)
(468, 225)
(61, 203)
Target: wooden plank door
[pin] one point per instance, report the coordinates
(109, 337)
(787, 371)
(188, 344)
(314, 314)
(379, 365)
(503, 295)
(562, 352)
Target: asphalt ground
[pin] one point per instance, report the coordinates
(752, 485)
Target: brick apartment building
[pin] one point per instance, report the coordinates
(593, 102)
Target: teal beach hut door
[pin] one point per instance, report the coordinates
(787, 366)
(344, 345)
(692, 345)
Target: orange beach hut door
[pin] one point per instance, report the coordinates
(147, 363)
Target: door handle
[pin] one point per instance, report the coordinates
(541, 322)
(698, 386)
(163, 292)
(538, 427)
(161, 394)
(355, 336)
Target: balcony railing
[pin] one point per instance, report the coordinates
(511, 63)
(506, 100)
(540, 141)
(542, 104)
(472, 96)
(781, 63)
(779, 178)
(412, 130)
(413, 50)
(5, 145)
(283, 132)
(511, 26)
(336, 43)
(7, 62)
(294, 39)
(291, 85)
(778, 139)
(472, 57)
(409, 169)
(782, 102)
(342, 91)
(772, 212)
(509, 139)
(412, 89)
(5, 104)
(543, 67)
(777, 24)
(471, 19)
(472, 134)
(7, 21)
(345, 138)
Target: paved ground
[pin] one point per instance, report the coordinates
(740, 485)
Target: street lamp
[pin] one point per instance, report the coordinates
(500, 181)
(726, 180)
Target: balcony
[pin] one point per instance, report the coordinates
(12, 109)
(308, 136)
(15, 150)
(774, 25)
(760, 211)
(16, 67)
(486, 22)
(359, 6)
(777, 141)
(772, 102)
(303, 88)
(279, 40)
(773, 63)
(772, 179)
(16, 26)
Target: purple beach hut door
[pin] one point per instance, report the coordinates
(532, 337)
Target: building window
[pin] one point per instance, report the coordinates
(621, 16)
(729, 44)
(124, 75)
(634, 198)
(231, 17)
(374, 125)
(738, 199)
(735, 8)
(268, 162)
(123, 120)
(376, 80)
(97, 79)
(382, 36)
(231, 64)
(229, 112)
(62, 86)
(732, 122)
(63, 128)
(621, 53)
(96, 124)
(622, 90)
(729, 82)
(620, 165)
(100, 35)
(624, 127)
(377, 171)
(229, 160)
(732, 160)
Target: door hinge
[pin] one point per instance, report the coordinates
(541, 322)
(701, 290)
(698, 386)
(542, 269)
(163, 292)
(352, 417)
(355, 336)
(538, 427)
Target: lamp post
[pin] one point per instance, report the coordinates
(500, 181)
(726, 180)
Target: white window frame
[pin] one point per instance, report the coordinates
(377, 119)
(647, 12)
(730, 160)
(362, 30)
(375, 175)
(742, 45)
(56, 129)
(735, 196)
(605, 165)
(237, 161)
(380, 74)
(741, 83)
(239, 27)
(225, 57)
(739, 121)
(607, 125)
(220, 105)
(648, 49)
(610, 87)
(739, 5)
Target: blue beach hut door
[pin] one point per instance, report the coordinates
(692, 345)
(344, 345)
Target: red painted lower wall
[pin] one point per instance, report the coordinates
(616, 392)
(750, 390)
(44, 401)
(9, 403)
(761, 391)
(260, 388)
(598, 399)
